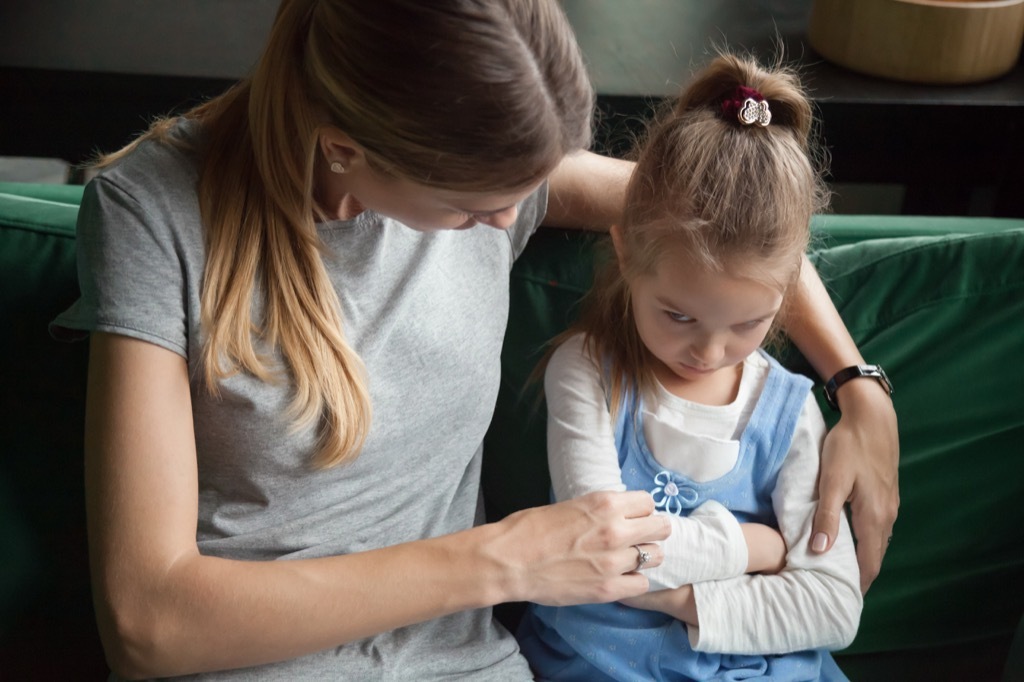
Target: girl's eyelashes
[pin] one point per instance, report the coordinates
(683, 318)
(753, 324)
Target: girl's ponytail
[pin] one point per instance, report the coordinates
(780, 87)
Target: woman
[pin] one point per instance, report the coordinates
(294, 353)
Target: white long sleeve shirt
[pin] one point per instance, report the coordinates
(814, 602)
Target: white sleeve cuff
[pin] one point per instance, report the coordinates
(707, 545)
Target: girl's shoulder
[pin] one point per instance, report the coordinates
(762, 363)
(571, 357)
(571, 346)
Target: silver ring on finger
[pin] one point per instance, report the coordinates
(642, 557)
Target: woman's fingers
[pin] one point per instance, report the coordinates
(585, 550)
(624, 520)
(860, 464)
(634, 510)
(642, 556)
(636, 503)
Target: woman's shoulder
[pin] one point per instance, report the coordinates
(144, 208)
(160, 170)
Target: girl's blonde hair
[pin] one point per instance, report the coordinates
(469, 95)
(729, 195)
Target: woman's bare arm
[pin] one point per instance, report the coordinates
(861, 455)
(587, 191)
(164, 609)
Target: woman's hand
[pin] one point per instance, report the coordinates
(579, 551)
(860, 460)
(859, 465)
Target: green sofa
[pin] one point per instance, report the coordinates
(938, 301)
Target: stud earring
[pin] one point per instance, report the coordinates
(336, 167)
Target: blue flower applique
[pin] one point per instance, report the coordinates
(669, 496)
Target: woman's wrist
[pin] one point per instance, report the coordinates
(486, 558)
(863, 393)
(855, 374)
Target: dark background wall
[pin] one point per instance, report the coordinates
(80, 77)
(202, 38)
(221, 38)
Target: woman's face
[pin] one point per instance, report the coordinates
(421, 207)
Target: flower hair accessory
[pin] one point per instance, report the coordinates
(748, 106)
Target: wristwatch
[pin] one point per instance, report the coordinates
(842, 376)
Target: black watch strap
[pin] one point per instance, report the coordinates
(842, 376)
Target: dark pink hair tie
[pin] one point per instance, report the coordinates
(747, 106)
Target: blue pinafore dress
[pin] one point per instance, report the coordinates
(605, 642)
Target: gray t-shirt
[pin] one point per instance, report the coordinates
(425, 311)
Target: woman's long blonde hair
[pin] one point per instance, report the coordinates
(728, 194)
(472, 95)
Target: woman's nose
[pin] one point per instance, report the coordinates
(501, 220)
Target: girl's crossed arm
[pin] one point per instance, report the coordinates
(815, 601)
(710, 544)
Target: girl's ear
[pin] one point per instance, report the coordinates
(337, 147)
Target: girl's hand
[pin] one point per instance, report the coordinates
(766, 548)
(678, 603)
(859, 465)
(579, 551)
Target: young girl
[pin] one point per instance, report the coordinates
(662, 386)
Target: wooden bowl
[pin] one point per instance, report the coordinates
(923, 41)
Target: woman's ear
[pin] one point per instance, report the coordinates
(340, 152)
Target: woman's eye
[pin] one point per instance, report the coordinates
(678, 317)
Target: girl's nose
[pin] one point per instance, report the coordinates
(708, 352)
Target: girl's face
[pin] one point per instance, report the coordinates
(697, 324)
